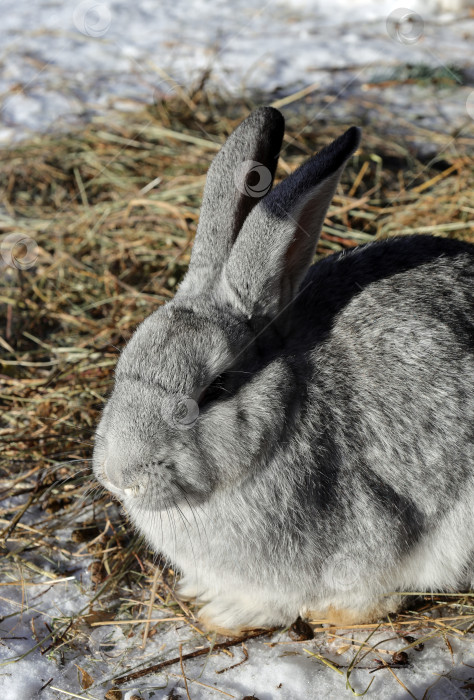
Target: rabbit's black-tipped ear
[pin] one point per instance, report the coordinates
(277, 242)
(239, 176)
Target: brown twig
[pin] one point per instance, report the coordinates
(190, 655)
(239, 663)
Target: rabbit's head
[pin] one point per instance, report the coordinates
(194, 401)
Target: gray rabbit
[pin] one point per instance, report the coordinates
(299, 440)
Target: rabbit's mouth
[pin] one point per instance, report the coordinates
(133, 491)
(120, 493)
(141, 495)
(127, 493)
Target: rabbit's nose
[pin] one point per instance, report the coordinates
(111, 474)
(120, 477)
(115, 466)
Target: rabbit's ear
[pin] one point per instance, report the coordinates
(278, 240)
(239, 176)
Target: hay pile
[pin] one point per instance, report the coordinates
(113, 210)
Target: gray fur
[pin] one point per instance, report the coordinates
(331, 461)
(224, 206)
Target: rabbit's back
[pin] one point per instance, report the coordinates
(389, 328)
(398, 283)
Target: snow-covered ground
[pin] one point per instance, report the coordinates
(63, 61)
(277, 668)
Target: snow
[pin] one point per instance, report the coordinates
(65, 61)
(277, 667)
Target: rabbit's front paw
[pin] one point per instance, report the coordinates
(190, 588)
(234, 615)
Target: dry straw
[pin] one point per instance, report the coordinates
(113, 210)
